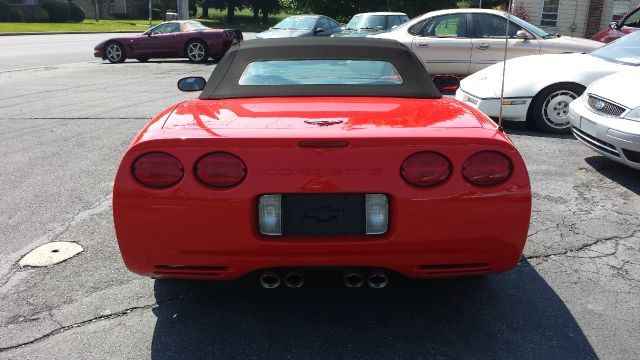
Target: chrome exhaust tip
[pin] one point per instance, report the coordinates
(353, 279)
(269, 280)
(294, 279)
(378, 280)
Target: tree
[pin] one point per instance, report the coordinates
(230, 5)
(264, 6)
(343, 10)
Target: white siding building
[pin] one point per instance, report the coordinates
(575, 17)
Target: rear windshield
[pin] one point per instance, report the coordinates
(320, 72)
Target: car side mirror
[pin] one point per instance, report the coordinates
(394, 27)
(522, 34)
(343, 27)
(613, 24)
(192, 83)
(318, 30)
(446, 82)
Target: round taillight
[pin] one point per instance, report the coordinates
(220, 170)
(158, 169)
(425, 169)
(487, 168)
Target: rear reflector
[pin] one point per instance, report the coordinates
(487, 168)
(220, 169)
(377, 213)
(425, 169)
(270, 214)
(157, 169)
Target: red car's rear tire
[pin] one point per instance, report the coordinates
(197, 51)
(114, 52)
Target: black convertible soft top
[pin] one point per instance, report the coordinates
(223, 83)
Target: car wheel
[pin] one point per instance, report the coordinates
(197, 51)
(143, 59)
(115, 53)
(550, 107)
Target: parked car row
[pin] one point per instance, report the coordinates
(463, 42)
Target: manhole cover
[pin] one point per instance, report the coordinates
(50, 254)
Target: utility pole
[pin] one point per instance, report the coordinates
(183, 9)
(150, 14)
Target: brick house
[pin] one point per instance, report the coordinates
(581, 18)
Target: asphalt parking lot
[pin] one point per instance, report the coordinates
(67, 120)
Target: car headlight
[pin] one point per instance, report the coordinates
(633, 114)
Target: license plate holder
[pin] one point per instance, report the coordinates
(323, 214)
(588, 127)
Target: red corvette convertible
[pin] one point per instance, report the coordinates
(305, 155)
(173, 39)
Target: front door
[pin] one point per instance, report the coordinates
(160, 41)
(489, 41)
(443, 45)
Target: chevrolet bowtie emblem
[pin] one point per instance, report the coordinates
(323, 122)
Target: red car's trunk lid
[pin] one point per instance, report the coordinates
(320, 117)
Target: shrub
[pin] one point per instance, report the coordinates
(5, 10)
(58, 11)
(16, 15)
(38, 15)
(76, 14)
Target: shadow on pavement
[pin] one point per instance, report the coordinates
(520, 129)
(159, 61)
(620, 173)
(511, 316)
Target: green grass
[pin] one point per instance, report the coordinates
(217, 20)
(87, 25)
(244, 20)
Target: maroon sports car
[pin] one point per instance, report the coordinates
(172, 39)
(627, 24)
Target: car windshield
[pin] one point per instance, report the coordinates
(625, 50)
(367, 22)
(536, 30)
(297, 23)
(320, 72)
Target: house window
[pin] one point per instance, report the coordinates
(620, 8)
(550, 10)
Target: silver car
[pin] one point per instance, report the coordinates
(463, 41)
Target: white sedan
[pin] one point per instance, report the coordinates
(539, 88)
(463, 41)
(607, 117)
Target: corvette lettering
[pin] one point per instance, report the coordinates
(323, 172)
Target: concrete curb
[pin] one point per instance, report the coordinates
(70, 32)
(92, 32)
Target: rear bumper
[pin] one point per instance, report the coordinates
(190, 230)
(491, 106)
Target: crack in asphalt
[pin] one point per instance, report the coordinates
(586, 246)
(116, 315)
(102, 205)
